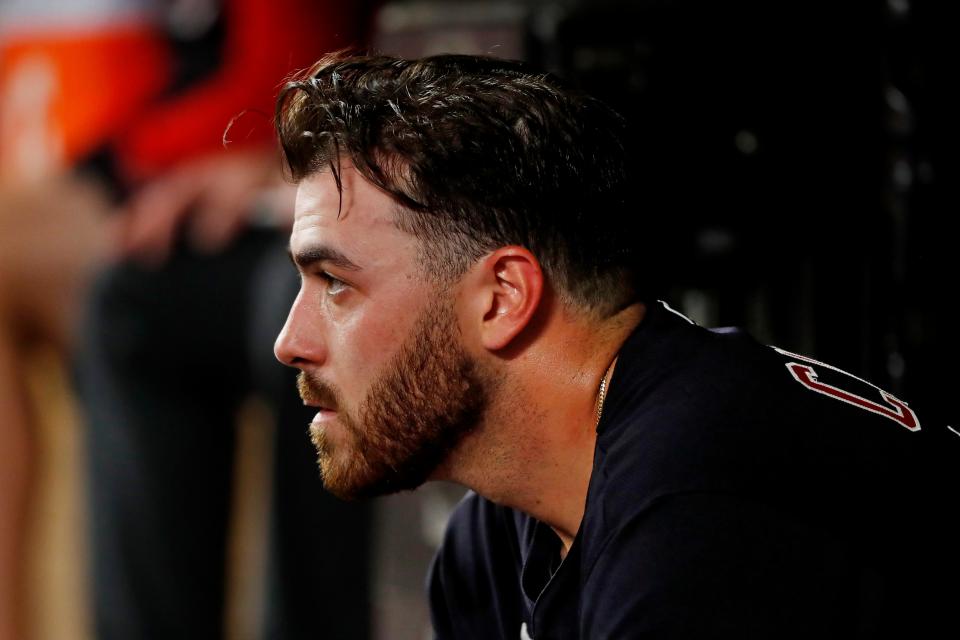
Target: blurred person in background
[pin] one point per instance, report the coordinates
(122, 106)
(58, 99)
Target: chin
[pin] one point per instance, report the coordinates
(350, 475)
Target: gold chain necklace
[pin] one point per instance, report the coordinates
(602, 396)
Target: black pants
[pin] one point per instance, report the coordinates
(167, 358)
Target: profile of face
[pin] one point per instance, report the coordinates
(377, 344)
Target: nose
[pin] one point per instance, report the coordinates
(299, 343)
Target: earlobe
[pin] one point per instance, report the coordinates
(512, 284)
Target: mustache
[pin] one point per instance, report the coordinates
(317, 392)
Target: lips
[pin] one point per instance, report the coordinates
(323, 415)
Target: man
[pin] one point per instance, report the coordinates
(473, 309)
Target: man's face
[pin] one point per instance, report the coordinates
(377, 344)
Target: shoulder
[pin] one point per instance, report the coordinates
(765, 454)
(708, 406)
(478, 528)
(698, 410)
(474, 580)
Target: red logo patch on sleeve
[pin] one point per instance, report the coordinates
(895, 409)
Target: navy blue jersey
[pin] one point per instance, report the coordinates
(738, 490)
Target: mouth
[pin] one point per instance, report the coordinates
(318, 404)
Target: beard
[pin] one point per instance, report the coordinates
(417, 410)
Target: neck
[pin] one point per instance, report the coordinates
(534, 451)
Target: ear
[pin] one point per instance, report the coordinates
(505, 293)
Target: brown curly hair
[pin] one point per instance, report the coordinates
(480, 153)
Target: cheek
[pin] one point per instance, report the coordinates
(367, 343)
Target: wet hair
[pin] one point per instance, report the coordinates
(479, 153)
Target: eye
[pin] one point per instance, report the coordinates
(335, 286)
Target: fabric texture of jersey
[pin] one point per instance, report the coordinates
(737, 491)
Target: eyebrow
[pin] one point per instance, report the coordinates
(304, 258)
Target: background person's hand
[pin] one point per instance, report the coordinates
(211, 199)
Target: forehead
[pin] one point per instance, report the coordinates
(357, 204)
(359, 222)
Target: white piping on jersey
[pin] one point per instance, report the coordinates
(671, 309)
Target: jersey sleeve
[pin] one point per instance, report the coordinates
(704, 565)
